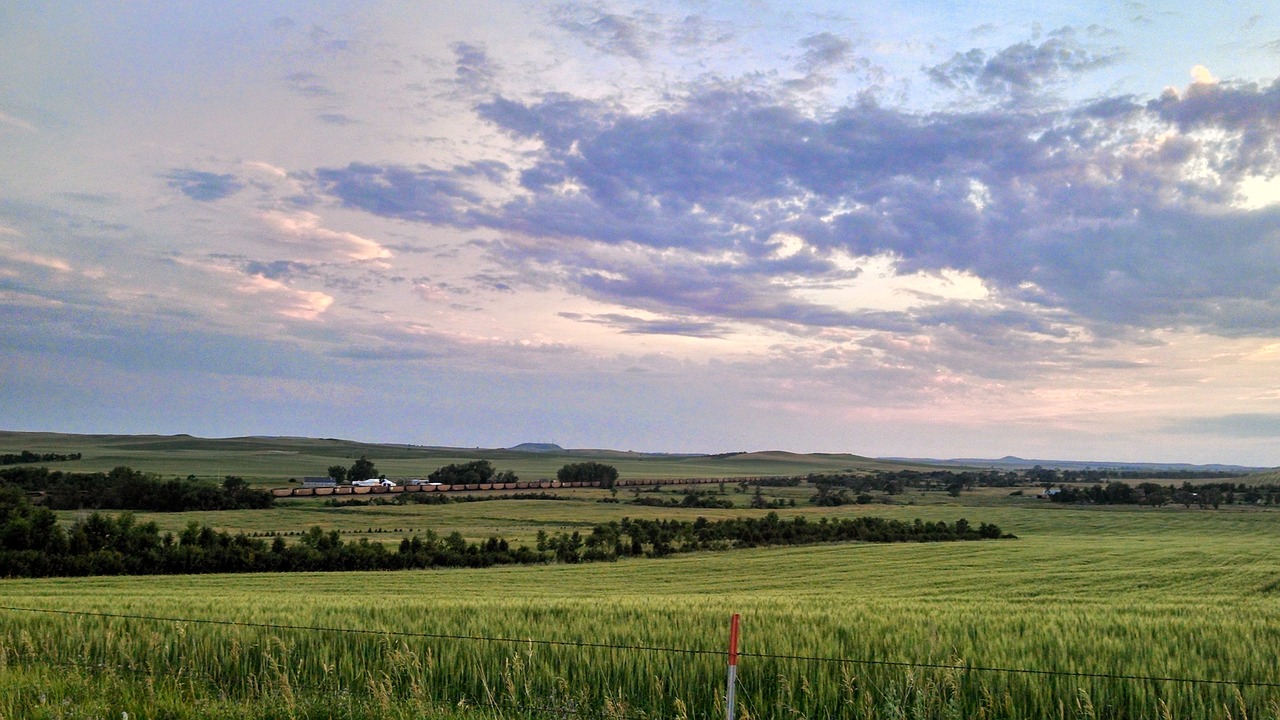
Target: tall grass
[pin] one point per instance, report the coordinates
(1147, 599)
(1113, 591)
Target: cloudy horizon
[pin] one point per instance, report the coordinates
(902, 229)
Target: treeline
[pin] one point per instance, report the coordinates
(1039, 474)
(26, 456)
(830, 486)
(127, 489)
(659, 538)
(1203, 495)
(475, 472)
(894, 482)
(34, 544)
(691, 499)
(437, 499)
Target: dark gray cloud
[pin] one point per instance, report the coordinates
(1021, 70)
(203, 186)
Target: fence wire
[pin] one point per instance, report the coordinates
(657, 649)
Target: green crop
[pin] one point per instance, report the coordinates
(1164, 593)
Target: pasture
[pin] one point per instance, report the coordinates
(1093, 612)
(1127, 591)
(275, 460)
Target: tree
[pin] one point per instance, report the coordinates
(338, 473)
(362, 469)
(474, 472)
(606, 475)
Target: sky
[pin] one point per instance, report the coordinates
(892, 228)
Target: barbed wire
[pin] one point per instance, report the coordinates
(655, 648)
(563, 710)
(367, 631)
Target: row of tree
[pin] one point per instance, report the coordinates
(361, 470)
(476, 471)
(480, 471)
(34, 544)
(691, 499)
(658, 538)
(26, 456)
(1039, 475)
(856, 485)
(127, 489)
(1203, 495)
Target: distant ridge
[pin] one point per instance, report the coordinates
(1012, 462)
(537, 447)
(294, 456)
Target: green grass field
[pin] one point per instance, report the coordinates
(273, 461)
(1132, 591)
(829, 631)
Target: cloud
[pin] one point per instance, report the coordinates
(278, 269)
(392, 353)
(298, 304)
(1201, 75)
(1238, 425)
(698, 33)
(631, 325)
(10, 253)
(1119, 212)
(337, 119)
(324, 41)
(610, 33)
(474, 71)
(304, 228)
(1021, 70)
(1224, 106)
(307, 84)
(826, 54)
(16, 122)
(422, 194)
(203, 186)
(823, 51)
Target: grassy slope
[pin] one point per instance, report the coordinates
(1166, 592)
(273, 460)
